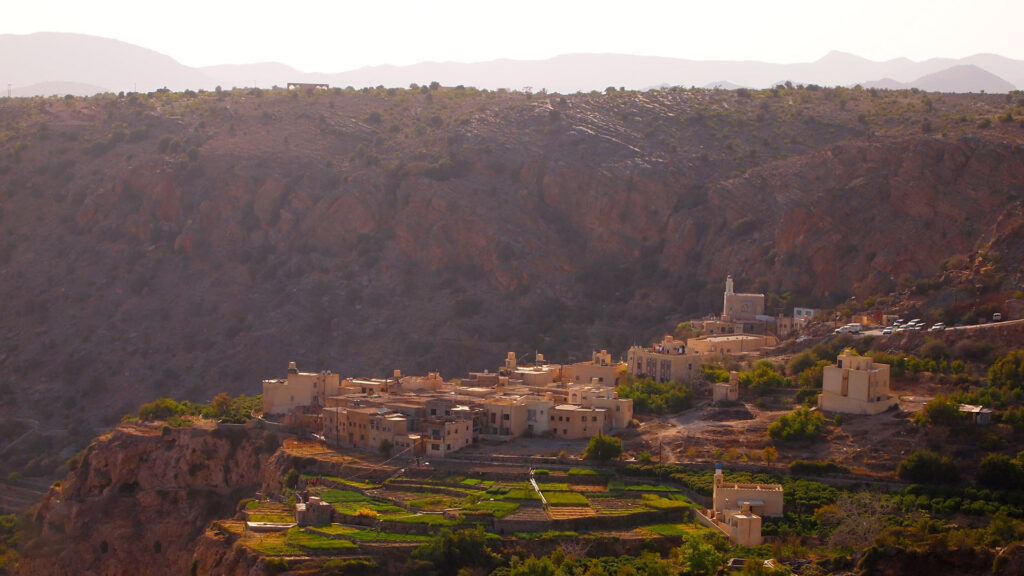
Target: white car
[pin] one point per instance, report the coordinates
(938, 327)
(887, 330)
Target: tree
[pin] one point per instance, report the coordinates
(160, 409)
(699, 557)
(1000, 472)
(1008, 371)
(763, 378)
(769, 455)
(221, 404)
(925, 467)
(854, 520)
(603, 448)
(686, 330)
(811, 377)
(942, 411)
(385, 448)
(291, 479)
(533, 567)
(800, 362)
(449, 552)
(800, 425)
(656, 397)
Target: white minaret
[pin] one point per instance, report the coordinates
(725, 300)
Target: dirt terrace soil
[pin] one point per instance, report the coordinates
(871, 445)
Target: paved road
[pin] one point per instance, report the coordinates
(989, 325)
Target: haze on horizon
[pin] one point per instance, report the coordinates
(330, 36)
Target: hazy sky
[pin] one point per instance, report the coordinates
(339, 35)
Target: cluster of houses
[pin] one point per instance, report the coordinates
(428, 416)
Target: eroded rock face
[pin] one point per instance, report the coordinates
(141, 497)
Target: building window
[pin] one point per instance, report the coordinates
(594, 419)
(435, 446)
(448, 446)
(504, 416)
(564, 432)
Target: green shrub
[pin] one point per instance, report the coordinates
(1000, 472)
(651, 397)
(817, 468)
(925, 467)
(764, 378)
(1008, 371)
(161, 409)
(800, 425)
(941, 411)
(603, 448)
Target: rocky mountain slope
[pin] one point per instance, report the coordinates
(140, 498)
(183, 244)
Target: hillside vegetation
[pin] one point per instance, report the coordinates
(184, 244)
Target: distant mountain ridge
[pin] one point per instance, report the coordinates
(49, 63)
(949, 80)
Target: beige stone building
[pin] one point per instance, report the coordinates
(668, 360)
(537, 376)
(379, 386)
(618, 411)
(298, 390)
(740, 307)
(371, 427)
(573, 421)
(732, 345)
(856, 385)
(727, 391)
(505, 417)
(737, 508)
(600, 368)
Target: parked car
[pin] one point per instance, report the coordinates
(938, 327)
(887, 330)
(997, 317)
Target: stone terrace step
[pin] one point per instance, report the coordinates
(604, 504)
(569, 512)
(529, 513)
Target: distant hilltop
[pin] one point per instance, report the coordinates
(50, 63)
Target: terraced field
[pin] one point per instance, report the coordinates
(462, 499)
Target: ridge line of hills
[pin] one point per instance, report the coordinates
(51, 63)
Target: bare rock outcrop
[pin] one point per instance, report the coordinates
(141, 497)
